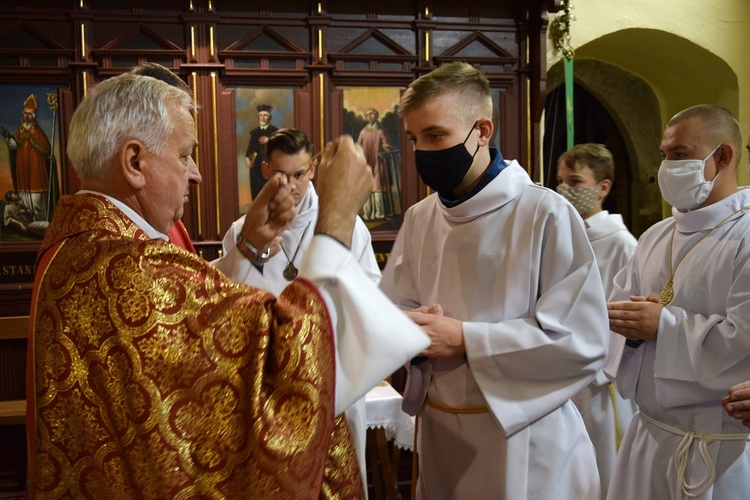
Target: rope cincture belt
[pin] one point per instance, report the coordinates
(456, 409)
(682, 454)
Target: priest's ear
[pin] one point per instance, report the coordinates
(132, 162)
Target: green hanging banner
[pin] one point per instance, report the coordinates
(569, 101)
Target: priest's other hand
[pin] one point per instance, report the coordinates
(635, 319)
(737, 403)
(446, 334)
(269, 214)
(344, 183)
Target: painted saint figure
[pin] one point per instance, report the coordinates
(256, 148)
(372, 137)
(32, 165)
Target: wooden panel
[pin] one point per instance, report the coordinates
(14, 327)
(12, 412)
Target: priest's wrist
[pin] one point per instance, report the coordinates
(251, 252)
(340, 232)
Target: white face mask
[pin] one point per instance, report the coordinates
(682, 183)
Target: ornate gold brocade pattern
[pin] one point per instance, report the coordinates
(157, 377)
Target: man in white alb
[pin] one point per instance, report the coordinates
(681, 307)
(503, 279)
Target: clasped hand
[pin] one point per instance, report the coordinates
(737, 403)
(637, 318)
(446, 333)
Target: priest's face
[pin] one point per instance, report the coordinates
(169, 175)
(264, 117)
(298, 169)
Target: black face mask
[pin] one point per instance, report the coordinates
(444, 170)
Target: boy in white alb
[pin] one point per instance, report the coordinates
(681, 308)
(585, 174)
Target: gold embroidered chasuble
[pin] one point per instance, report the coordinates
(155, 376)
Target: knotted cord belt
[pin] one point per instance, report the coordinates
(682, 454)
(456, 409)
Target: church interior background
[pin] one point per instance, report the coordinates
(636, 63)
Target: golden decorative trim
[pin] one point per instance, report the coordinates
(320, 44)
(427, 46)
(190, 8)
(211, 50)
(320, 8)
(215, 126)
(192, 42)
(83, 40)
(85, 77)
(197, 159)
(210, 6)
(321, 88)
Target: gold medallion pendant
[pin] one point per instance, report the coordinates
(667, 294)
(290, 272)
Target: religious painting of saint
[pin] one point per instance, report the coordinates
(29, 149)
(371, 118)
(260, 112)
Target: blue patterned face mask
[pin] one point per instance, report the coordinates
(444, 170)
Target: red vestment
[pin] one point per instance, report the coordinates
(180, 237)
(31, 160)
(153, 375)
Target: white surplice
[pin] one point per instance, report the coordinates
(606, 414)
(702, 349)
(295, 241)
(514, 265)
